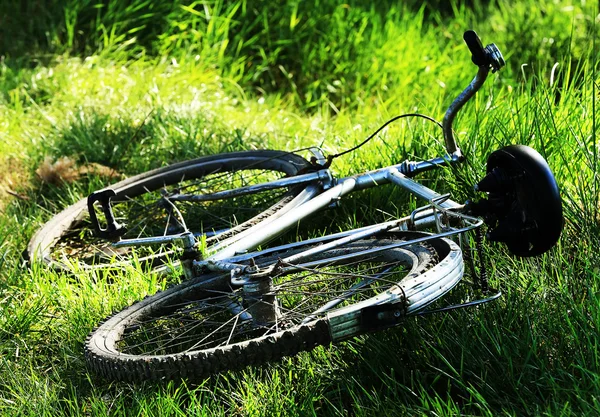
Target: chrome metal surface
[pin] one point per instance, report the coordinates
(408, 168)
(370, 231)
(322, 175)
(264, 232)
(318, 154)
(305, 195)
(419, 190)
(186, 239)
(415, 292)
(495, 56)
(400, 224)
(457, 104)
(414, 168)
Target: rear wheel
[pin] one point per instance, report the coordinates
(144, 204)
(207, 325)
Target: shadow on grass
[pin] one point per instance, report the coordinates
(489, 361)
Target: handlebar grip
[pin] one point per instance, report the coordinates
(478, 54)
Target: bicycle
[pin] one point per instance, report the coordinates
(237, 308)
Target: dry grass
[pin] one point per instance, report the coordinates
(14, 181)
(66, 170)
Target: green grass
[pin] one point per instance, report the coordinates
(132, 86)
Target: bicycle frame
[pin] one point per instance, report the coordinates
(293, 297)
(265, 231)
(322, 190)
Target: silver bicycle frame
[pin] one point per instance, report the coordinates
(321, 191)
(311, 199)
(263, 232)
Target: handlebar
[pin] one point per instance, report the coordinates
(478, 55)
(488, 58)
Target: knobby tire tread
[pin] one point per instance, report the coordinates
(202, 363)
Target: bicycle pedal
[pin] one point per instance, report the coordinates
(113, 229)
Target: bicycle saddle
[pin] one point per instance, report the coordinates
(524, 207)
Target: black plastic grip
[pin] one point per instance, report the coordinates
(478, 53)
(113, 229)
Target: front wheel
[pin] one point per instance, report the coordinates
(144, 204)
(207, 325)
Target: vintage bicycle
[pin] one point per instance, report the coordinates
(237, 306)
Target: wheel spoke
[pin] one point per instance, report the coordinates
(301, 295)
(148, 214)
(206, 325)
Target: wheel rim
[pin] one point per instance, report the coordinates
(213, 318)
(151, 214)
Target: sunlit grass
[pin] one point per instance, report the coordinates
(134, 86)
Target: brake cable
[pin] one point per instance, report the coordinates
(330, 158)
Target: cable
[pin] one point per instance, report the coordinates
(393, 119)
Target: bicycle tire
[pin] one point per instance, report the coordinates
(70, 231)
(233, 347)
